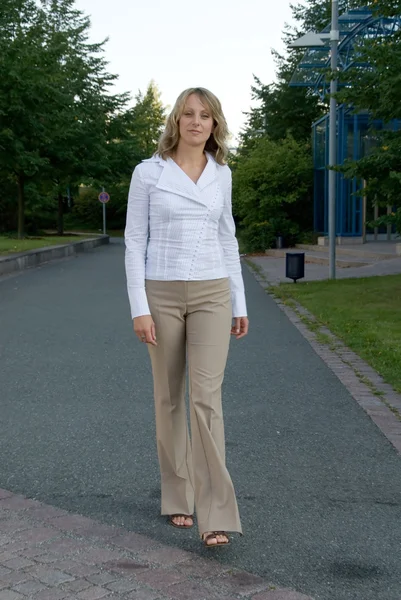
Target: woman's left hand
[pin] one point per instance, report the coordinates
(240, 327)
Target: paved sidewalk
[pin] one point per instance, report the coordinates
(317, 482)
(50, 554)
(274, 269)
(377, 398)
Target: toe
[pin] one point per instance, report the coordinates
(182, 521)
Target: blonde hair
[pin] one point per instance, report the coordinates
(215, 145)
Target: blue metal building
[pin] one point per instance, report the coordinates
(355, 132)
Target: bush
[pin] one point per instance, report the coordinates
(309, 237)
(88, 212)
(259, 237)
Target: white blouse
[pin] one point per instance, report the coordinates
(177, 229)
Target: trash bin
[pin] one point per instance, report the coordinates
(279, 242)
(295, 265)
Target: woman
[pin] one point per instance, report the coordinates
(185, 284)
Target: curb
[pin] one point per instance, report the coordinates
(377, 398)
(34, 258)
(47, 553)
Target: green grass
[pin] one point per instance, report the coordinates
(364, 313)
(10, 245)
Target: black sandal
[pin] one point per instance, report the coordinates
(212, 535)
(171, 522)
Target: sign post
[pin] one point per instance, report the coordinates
(104, 198)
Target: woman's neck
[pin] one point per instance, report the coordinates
(188, 155)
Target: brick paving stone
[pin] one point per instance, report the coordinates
(18, 563)
(123, 585)
(167, 556)
(200, 567)
(32, 552)
(144, 595)
(4, 571)
(47, 559)
(194, 590)
(13, 525)
(29, 588)
(35, 535)
(160, 579)
(51, 594)
(99, 530)
(103, 578)
(75, 568)
(76, 586)
(97, 556)
(19, 503)
(5, 494)
(126, 566)
(71, 522)
(10, 595)
(49, 576)
(281, 595)
(93, 593)
(7, 555)
(15, 577)
(63, 546)
(134, 542)
(98, 564)
(241, 583)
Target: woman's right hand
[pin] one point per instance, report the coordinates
(145, 329)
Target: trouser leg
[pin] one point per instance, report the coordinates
(209, 320)
(167, 306)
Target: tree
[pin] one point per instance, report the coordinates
(80, 133)
(26, 92)
(133, 135)
(148, 119)
(55, 104)
(271, 191)
(283, 113)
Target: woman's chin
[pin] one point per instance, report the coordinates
(194, 142)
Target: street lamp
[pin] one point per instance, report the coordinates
(316, 40)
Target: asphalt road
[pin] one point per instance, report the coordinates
(319, 486)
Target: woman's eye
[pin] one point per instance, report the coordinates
(205, 116)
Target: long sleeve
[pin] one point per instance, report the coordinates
(229, 244)
(136, 240)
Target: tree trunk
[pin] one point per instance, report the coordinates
(21, 206)
(60, 217)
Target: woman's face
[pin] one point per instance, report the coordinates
(196, 122)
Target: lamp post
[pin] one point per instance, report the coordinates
(313, 40)
(334, 39)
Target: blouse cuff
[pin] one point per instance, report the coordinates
(139, 302)
(239, 304)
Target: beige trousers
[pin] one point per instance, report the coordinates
(193, 323)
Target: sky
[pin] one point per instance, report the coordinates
(217, 44)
